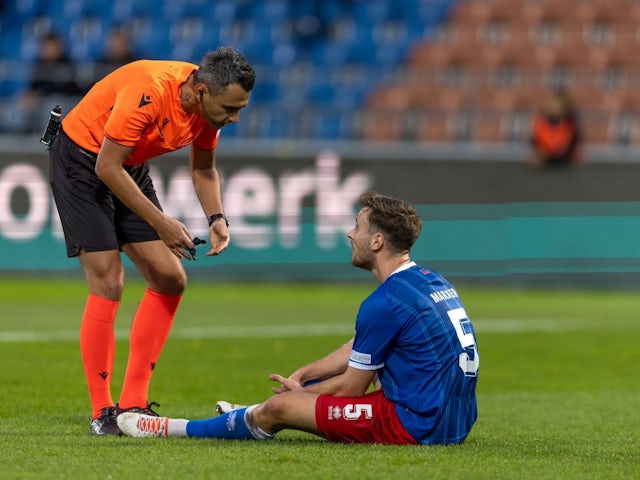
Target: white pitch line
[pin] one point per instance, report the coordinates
(301, 330)
(248, 331)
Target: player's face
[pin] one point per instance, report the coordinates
(224, 107)
(360, 237)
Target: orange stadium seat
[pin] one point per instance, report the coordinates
(382, 125)
(439, 126)
(393, 97)
(455, 35)
(594, 97)
(486, 127)
(439, 97)
(595, 128)
(425, 54)
(472, 13)
(631, 99)
(503, 98)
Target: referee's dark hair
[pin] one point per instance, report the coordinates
(395, 218)
(223, 67)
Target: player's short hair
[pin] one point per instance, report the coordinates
(395, 218)
(223, 67)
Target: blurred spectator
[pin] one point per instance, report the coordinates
(116, 53)
(117, 48)
(310, 24)
(53, 71)
(53, 81)
(555, 133)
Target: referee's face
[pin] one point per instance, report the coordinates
(223, 108)
(360, 237)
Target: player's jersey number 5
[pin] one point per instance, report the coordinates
(469, 360)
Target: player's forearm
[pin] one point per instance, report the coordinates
(333, 364)
(331, 386)
(206, 184)
(318, 370)
(351, 383)
(124, 187)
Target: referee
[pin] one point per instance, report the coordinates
(107, 204)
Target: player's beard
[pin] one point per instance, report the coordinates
(361, 261)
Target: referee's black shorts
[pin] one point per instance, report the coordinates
(92, 217)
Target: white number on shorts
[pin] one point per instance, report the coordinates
(353, 412)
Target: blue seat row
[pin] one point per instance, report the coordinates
(159, 27)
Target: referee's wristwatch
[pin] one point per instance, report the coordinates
(217, 216)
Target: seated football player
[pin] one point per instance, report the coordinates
(413, 339)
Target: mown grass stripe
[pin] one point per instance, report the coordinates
(305, 330)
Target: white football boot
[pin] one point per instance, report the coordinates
(141, 425)
(224, 407)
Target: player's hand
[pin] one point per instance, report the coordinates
(176, 236)
(297, 376)
(286, 384)
(219, 237)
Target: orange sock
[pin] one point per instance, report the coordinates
(149, 332)
(97, 347)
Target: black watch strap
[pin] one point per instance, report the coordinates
(217, 216)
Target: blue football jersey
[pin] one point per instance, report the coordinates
(413, 329)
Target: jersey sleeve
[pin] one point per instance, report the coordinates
(376, 330)
(135, 107)
(208, 139)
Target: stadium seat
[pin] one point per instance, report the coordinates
(371, 12)
(320, 93)
(471, 12)
(330, 124)
(623, 128)
(185, 8)
(150, 36)
(381, 125)
(394, 97)
(272, 11)
(595, 127)
(445, 126)
(190, 30)
(487, 127)
(515, 126)
(85, 38)
(265, 92)
(221, 12)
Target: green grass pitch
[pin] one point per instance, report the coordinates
(558, 394)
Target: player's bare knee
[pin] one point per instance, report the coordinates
(273, 411)
(172, 283)
(113, 291)
(261, 418)
(107, 284)
(179, 282)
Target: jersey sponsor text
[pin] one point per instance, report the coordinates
(364, 358)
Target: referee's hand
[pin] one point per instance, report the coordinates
(176, 236)
(219, 237)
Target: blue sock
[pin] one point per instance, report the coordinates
(231, 425)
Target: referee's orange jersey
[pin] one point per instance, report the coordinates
(138, 105)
